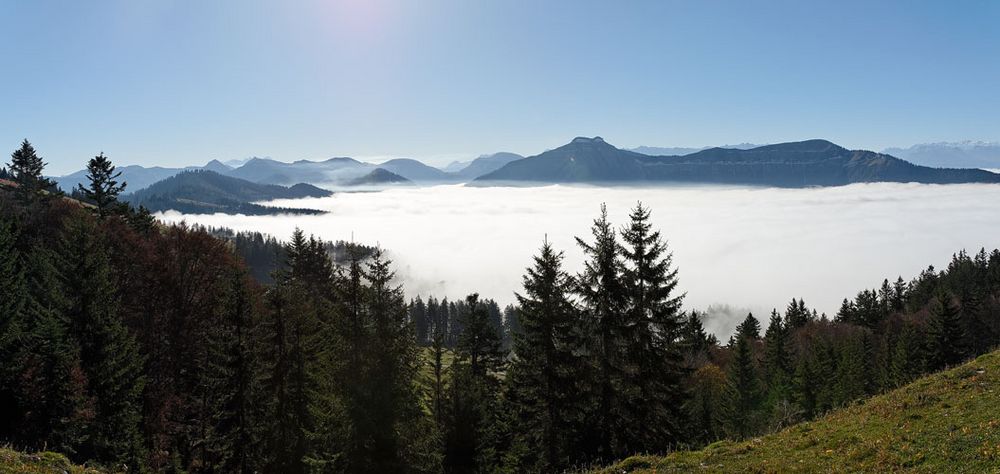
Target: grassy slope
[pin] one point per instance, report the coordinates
(17, 462)
(946, 422)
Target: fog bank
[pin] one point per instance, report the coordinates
(752, 248)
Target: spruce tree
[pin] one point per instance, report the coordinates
(109, 354)
(234, 378)
(13, 298)
(548, 366)
(797, 315)
(470, 435)
(26, 167)
(945, 334)
(778, 369)
(743, 394)
(601, 288)
(907, 358)
(104, 188)
(399, 435)
(652, 325)
(749, 328)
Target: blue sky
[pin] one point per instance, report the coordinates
(182, 82)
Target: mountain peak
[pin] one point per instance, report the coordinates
(582, 140)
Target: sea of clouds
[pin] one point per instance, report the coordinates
(738, 249)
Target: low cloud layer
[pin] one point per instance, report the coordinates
(753, 248)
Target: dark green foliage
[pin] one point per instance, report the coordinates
(945, 334)
(652, 326)
(907, 358)
(749, 328)
(471, 437)
(778, 371)
(104, 187)
(26, 167)
(602, 290)
(743, 394)
(797, 315)
(544, 378)
(109, 355)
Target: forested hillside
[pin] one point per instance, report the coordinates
(199, 192)
(136, 344)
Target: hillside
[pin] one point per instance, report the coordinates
(414, 170)
(795, 164)
(486, 164)
(209, 192)
(40, 463)
(379, 176)
(943, 422)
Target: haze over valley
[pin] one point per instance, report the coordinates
(752, 248)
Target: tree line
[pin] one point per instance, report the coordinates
(130, 344)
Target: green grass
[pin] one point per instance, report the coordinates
(46, 462)
(945, 422)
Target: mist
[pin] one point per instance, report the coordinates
(735, 247)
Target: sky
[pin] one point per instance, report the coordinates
(182, 82)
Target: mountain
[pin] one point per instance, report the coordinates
(794, 164)
(200, 192)
(966, 154)
(944, 422)
(681, 151)
(486, 164)
(217, 166)
(379, 176)
(136, 177)
(265, 170)
(414, 170)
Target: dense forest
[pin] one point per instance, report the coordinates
(136, 346)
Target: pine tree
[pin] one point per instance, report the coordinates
(13, 298)
(470, 431)
(743, 394)
(652, 324)
(549, 363)
(945, 334)
(705, 407)
(851, 371)
(778, 369)
(234, 378)
(398, 435)
(603, 294)
(797, 315)
(104, 188)
(907, 359)
(749, 328)
(109, 354)
(26, 167)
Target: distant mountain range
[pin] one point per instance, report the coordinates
(208, 192)
(795, 164)
(966, 154)
(333, 172)
(807, 163)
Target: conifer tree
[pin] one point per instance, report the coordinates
(749, 328)
(907, 358)
(470, 429)
(704, 408)
(104, 188)
(108, 353)
(26, 167)
(234, 377)
(398, 436)
(778, 367)
(851, 380)
(652, 325)
(602, 291)
(743, 394)
(548, 365)
(945, 334)
(13, 296)
(797, 315)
